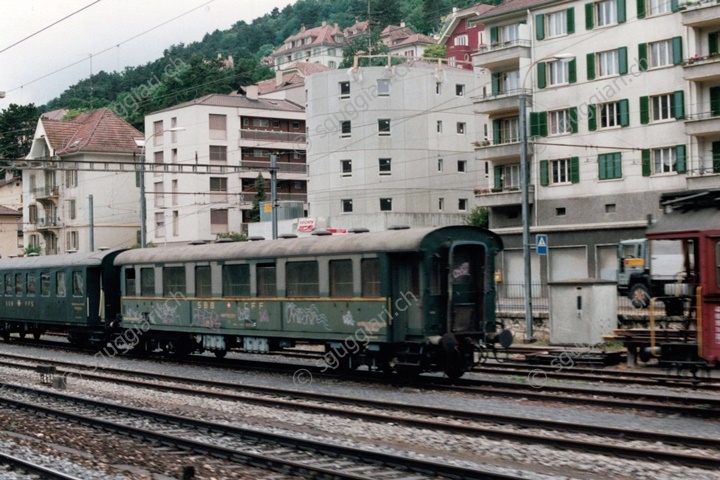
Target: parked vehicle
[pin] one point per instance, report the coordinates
(645, 267)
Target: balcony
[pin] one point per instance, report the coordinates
(497, 152)
(269, 139)
(501, 55)
(505, 102)
(47, 192)
(47, 223)
(702, 68)
(493, 197)
(246, 198)
(286, 170)
(701, 14)
(702, 124)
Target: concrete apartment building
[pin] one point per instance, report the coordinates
(392, 146)
(624, 104)
(57, 188)
(213, 149)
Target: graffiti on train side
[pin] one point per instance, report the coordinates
(305, 316)
(205, 317)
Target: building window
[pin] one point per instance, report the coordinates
(173, 135)
(72, 240)
(295, 125)
(218, 127)
(176, 223)
(607, 63)
(506, 130)
(661, 53)
(459, 90)
(560, 212)
(218, 189)
(462, 204)
(332, 64)
(347, 205)
(510, 176)
(664, 160)
(383, 87)
(346, 167)
(439, 126)
(246, 122)
(557, 23)
(609, 115)
(508, 33)
(438, 88)
(175, 192)
(661, 107)
(385, 166)
(158, 160)
(656, 7)
(610, 166)
(159, 192)
(218, 154)
(559, 122)
(160, 224)
(158, 133)
(218, 221)
(344, 89)
(441, 204)
(558, 72)
(384, 126)
(462, 166)
(560, 171)
(259, 153)
(506, 82)
(71, 178)
(461, 40)
(606, 12)
(261, 122)
(386, 204)
(440, 164)
(461, 128)
(32, 214)
(345, 128)
(610, 208)
(73, 212)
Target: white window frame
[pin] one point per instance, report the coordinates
(610, 114)
(558, 72)
(461, 128)
(560, 171)
(510, 130)
(461, 40)
(511, 176)
(605, 13)
(657, 7)
(663, 160)
(660, 53)
(462, 204)
(556, 23)
(607, 63)
(559, 122)
(661, 107)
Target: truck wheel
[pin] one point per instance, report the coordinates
(639, 296)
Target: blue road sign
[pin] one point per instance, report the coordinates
(541, 244)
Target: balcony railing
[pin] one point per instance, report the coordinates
(296, 138)
(283, 167)
(46, 191)
(501, 45)
(248, 197)
(47, 222)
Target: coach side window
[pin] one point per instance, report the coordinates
(130, 282)
(236, 280)
(8, 284)
(18, 284)
(341, 278)
(30, 279)
(60, 284)
(147, 282)
(203, 281)
(717, 264)
(302, 279)
(266, 280)
(78, 284)
(45, 284)
(370, 273)
(173, 281)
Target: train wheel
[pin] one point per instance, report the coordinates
(220, 353)
(639, 296)
(6, 335)
(453, 361)
(22, 333)
(37, 335)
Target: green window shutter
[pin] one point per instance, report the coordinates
(496, 132)
(644, 110)
(677, 53)
(590, 66)
(617, 165)
(624, 112)
(541, 72)
(575, 169)
(621, 16)
(498, 177)
(713, 43)
(674, 5)
(572, 71)
(602, 166)
(642, 57)
(640, 8)
(493, 34)
(534, 124)
(716, 157)
(622, 60)
(714, 101)
(589, 16)
(679, 104)
(646, 171)
(495, 83)
(570, 18)
(680, 159)
(540, 26)
(544, 175)
(592, 118)
(538, 124)
(573, 117)
(543, 124)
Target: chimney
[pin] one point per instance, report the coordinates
(302, 27)
(324, 24)
(251, 92)
(336, 26)
(402, 23)
(278, 78)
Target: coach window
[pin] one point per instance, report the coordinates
(236, 280)
(173, 281)
(45, 284)
(130, 282)
(370, 274)
(302, 279)
(18, 284)
(341, 278)
(717, 264)
(203, 281)
(78, 284)
(30, 279)
(266, 280)
(60, 284)
(147, 282)
(436, 277)
(8, 284)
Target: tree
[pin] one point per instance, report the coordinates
(434, 51)
(479, 217)
(17, 129)
(369, 43)
(259, 198)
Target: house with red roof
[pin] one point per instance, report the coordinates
(70, 162)
(323, 44)
(463, 33)
(401, 40)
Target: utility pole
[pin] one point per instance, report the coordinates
(273, 194)
(92, 223)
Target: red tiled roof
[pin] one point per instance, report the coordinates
(293, 75)
(238, 101)
(55, 114)
(321, 34)
(7, 211)
(94, 131)
(416, 38)
(509, 6)
(357, 29)
(452, 20)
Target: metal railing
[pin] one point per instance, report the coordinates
(297, 138)
(500, 45)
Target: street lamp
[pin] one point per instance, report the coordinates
(524, 180)
(143, 205)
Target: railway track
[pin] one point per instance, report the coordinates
(595, 439)
(32, 469)
(285, 454)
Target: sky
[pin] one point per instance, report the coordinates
(29, 70)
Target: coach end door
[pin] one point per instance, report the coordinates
(465, 287)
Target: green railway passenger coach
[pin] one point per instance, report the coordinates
(411, 299)
(77, 294)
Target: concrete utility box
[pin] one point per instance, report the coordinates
(582, 310)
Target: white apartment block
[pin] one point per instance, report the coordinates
(392, 146)
(624, 104)
(207, 154)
